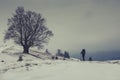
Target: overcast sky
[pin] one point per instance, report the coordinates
(76, 24)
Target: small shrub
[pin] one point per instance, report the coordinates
(53, 57)
(56, 58)
(27, 64)
(20, 58)
(2, 61)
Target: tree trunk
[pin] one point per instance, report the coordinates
(26, 49)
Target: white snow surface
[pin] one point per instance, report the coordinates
(32, 68)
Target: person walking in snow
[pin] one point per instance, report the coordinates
(83, 52)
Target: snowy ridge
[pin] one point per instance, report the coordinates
(44, 68)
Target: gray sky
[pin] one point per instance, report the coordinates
(76, 24)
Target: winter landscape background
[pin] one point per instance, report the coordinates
(44, 68)
(78, 24)
(75, 25)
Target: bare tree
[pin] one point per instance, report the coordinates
(27, 28)
(66, 55)
(59, 53)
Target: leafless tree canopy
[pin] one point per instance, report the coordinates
(28, 29)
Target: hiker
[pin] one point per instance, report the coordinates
(83, 52)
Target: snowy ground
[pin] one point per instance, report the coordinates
(38, 69)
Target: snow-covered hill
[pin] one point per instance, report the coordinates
(43, 68)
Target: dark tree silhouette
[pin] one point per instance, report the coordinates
(59, 53)
(66, 55)
(83, 52)
(27, 28)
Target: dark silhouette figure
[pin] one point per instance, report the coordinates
(83, 52)
(90, 59)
